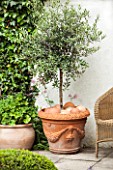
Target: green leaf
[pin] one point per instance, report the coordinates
(12, 3)
(27, 119)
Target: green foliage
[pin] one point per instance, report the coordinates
(15, 109)
(14, 15)
(15, 71)
(14, 74)
(41, 142)
(24, 160)
(63, 39)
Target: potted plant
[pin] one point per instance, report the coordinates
(16, 117)
(64, 38)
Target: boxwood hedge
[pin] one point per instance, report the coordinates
(13, 159)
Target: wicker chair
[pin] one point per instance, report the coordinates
(104, 118)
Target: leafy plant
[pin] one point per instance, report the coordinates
(15, 71)
(15, 109)
(64, 38)
(13, 159)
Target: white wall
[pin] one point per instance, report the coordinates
(98, 78)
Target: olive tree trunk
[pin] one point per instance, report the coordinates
(60, 88)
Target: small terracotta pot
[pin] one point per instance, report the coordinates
(64, 132)
(17, 136)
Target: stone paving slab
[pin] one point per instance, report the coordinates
(84, 154)
(67, 164)
(105, 163)
(100, 168)
(53, 157)
(83, 160)
(87, 154)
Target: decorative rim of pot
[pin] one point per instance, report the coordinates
(59, 116)
(16, 126)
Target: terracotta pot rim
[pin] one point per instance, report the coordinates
(58, 116)
(16, 126)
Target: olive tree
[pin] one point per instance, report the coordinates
(64, 38)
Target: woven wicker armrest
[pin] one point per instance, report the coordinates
(105, 122)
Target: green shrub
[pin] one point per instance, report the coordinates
(24, 160)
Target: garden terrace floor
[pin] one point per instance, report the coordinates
(83, 160)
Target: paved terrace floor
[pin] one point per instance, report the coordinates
(83, 160)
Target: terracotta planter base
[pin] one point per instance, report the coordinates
(65, 150)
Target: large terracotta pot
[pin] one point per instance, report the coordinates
(17, 136)
(64, 132)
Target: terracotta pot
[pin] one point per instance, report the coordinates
(17, 136)
(64, 132)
